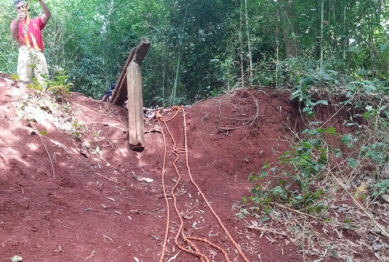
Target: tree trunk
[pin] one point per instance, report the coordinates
(321, 33)
(248, 43)
(180, 51)
(288, 28)
(344, 41)
(241, 43)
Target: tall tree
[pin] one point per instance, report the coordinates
(289, 29)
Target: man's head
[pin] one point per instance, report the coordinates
(18, 1)
(19, 5)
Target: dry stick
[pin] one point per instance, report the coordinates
(337, 111)
(110, 179)
(383, 230)
(91, 255)
(305, 221)
(174, 257)
(91, 166)
(257, 111)
(51, 161)
(108, 164)
(267, 230)
(296, 211)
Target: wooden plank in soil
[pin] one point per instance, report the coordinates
(137, 55)
(136, 139)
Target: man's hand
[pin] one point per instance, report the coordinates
(46, 15)
(21, 16)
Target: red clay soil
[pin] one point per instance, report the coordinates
(76, 193)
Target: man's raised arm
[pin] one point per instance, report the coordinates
(47, 14)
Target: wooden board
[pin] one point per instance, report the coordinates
(137, 55)
(136, 138)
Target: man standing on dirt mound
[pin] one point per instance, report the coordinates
(28, 33)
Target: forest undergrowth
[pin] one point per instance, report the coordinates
(329, 193)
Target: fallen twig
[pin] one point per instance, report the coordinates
(251, 121)
(110, 179)
(383, 230)
(51, 161)
(222, 129)
(107, 237)
(110, 125)
(91, 255)
(296, 211)
(174, 257)
(267, 230)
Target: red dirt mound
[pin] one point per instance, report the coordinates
(70, 190)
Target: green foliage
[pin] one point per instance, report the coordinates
(8, 47)
(242, 213)
(43, 133)
(301, 167)
(365, 87)
(372, 141)
(380, 188)
(78, 129)
(224, 72)
(310, 201)
(309, 157)
(92, 40)
(35, 85)
(349, 140)
(58, 86)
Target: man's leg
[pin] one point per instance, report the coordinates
(40, 69)
(24, 71)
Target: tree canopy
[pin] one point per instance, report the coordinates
(200, 48)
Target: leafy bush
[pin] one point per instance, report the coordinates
(380, 188)
(301, 166)
(58, 86)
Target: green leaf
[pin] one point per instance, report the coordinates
(331, 131)
(267, 210)
(322, 102)
(348, 140)
(383, 47)
(333, 253)
(352, 162)
(252, 177)
(278, 190)
(338, 153)
(264, 218)
(244, 200)
(314, 123)
(362, 72)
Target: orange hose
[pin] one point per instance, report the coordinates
(165, 196)
(188, 239)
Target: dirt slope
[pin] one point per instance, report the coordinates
(75, 192)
